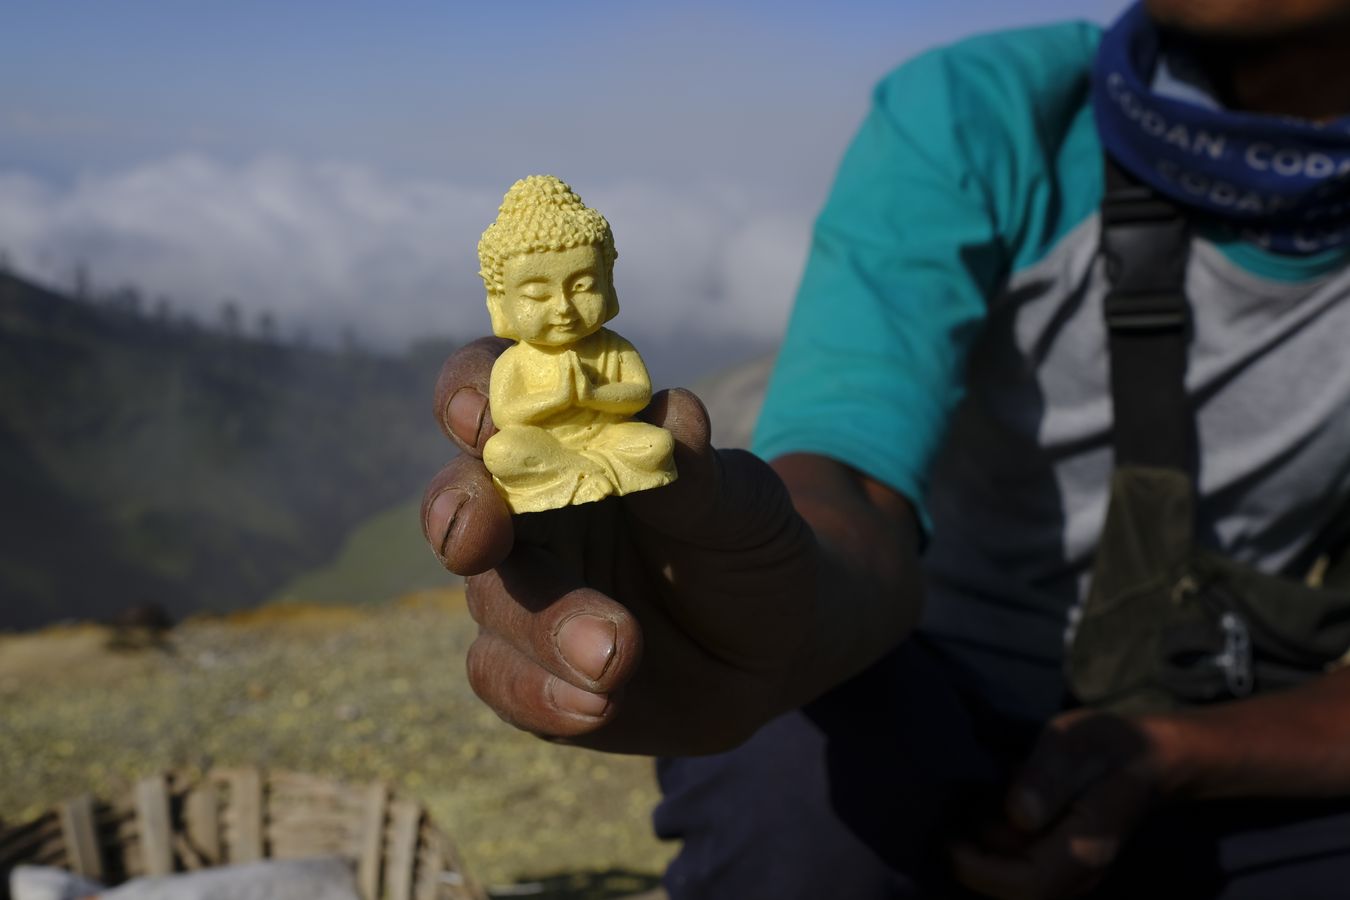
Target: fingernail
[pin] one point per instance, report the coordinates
(587, 643)
(570, 698)
(465, 412)
(441, 516)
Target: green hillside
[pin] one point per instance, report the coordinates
(383, 558)
(149, 462)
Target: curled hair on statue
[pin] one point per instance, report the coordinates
(541, 213)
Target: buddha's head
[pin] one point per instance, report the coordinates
(548, 264)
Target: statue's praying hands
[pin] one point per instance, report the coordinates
(562, 397)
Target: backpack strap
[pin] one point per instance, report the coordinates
(1145, 241)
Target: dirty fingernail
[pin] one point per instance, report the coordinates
(465, 413)
(587, 643)
(441, 517)
(570, 698)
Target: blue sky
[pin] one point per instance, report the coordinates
(737, 111)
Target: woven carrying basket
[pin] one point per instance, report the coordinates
(172, 823)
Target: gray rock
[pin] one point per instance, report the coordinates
(298, 879)
(48, 883)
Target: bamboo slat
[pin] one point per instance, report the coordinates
(156, 830)
(32, 845)
(77, 829)
(16, 839)
(402, 853)
(372, 842)
(303, 841)
(201, 818)
(50, 855)
(429, 869)
(187, 854)
(282, 818)
(246, 812)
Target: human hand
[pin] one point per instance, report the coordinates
(1088, 783)
(668, 621)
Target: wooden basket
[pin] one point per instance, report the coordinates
(172, 823)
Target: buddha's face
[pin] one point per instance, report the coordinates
(554, 297)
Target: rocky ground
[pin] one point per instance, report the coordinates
(357, 693)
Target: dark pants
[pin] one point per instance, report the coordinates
(855, 797)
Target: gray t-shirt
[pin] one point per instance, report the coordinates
(948, 340)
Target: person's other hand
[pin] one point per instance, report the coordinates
(671, 620)
(1088, 783)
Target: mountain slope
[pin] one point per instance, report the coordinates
(382, 558)
(144, 462)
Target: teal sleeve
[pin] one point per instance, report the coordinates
(952, 182)
(903, 256)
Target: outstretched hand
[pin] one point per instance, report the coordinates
(1087, 785)
(674, 620)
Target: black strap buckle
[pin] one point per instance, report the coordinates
(1129, 201)
(1136, 312)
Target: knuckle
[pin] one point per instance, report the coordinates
(466, 473)
(464, 519)
(428, 496)
(478, 595)
(468, 367)
(471, 358)
(477, 665)
(488, 345)
(443, 479)
(500, 683)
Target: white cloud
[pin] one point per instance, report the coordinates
(324, 245)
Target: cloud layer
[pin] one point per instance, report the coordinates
(323, 246)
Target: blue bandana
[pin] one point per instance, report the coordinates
(1282, 182)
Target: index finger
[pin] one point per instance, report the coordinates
(462, 394)
(465, 521)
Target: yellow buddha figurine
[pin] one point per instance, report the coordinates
(562, 397)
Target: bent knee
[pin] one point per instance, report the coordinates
(521, 448)
(641, 439)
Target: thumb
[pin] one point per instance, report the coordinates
(679, 507)
(723, 499)
(683, 414)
